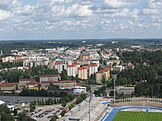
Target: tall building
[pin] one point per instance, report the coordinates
(93, 68)
(83, 72)
(77, 65)
(59, 66)
(1, 52)
(71, 70)
(104, 73)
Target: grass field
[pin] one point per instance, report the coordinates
(138, 116)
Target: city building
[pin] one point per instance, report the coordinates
(8, 86)
(32, 86)
(59, 66)
(44, 78)
(71, 70)
(79, 90)
(77, 65)
(85, 56)
(83, 72)
(68, 84)
(93, 68)
(35, 60)
(7, 59)
(104, 73)
(12, 58)
(23, 82)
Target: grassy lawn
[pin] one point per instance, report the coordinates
(138, 116)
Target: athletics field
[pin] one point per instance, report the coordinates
(138, 116)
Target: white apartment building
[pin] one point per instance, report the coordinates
(59, 66)
(83, 72)
(93, 68)
(33, 61)
(71, 70)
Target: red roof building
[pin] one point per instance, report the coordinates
(105, 72)
(51, 75)
(49, 78)
(93, 68)
(83, 72)
(83, 68)
(58, 63)
(8, 86)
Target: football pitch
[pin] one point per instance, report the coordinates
(138, 116)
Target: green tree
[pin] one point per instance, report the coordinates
(103, 81)
(63, 103)
(112, 93)
(32, 106)
(54, 118)
(6, 117)
(15, 112)
(23, 117)
(5, 114)
(63, 113)
(64, 75)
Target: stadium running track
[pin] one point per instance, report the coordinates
(111, 115)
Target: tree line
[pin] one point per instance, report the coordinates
(146, 76)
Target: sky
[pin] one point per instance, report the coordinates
(80, 19)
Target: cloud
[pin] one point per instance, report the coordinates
(4, 14)
(89, 15)
(117, 3)
(151, 11)
(74, 10)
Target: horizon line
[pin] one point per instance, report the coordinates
(59, 39)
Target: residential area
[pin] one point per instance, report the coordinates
(69, 83)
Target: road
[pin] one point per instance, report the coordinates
(13, 99)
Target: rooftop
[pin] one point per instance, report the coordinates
(32, 83)
(66, 81)
(70, 66)
(103, 70)
(26, 79)
(58, 63)
(93, 65)
(7, 84)
(82, 68)
(50, 75)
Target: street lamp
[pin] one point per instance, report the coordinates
(90, 98)
(114, 79)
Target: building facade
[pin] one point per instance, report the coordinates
(93, 68)
(102, 74)
(44, 78)
(83, 72)
(59, 66)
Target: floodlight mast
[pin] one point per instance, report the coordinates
(90, 98)
(114, 79)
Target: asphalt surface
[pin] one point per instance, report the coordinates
(45, 113)
(21, 99)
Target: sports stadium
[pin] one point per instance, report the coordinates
(134, 109)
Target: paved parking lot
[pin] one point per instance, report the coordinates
(46, 112)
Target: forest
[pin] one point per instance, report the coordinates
(147, 74)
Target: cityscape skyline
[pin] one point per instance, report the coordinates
(81, 19)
